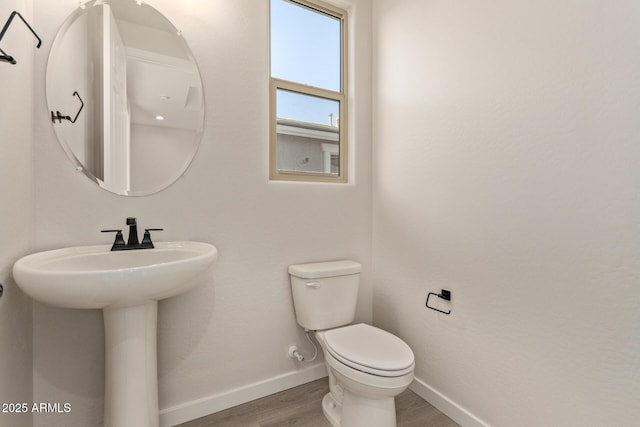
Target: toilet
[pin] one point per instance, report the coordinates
(367, 366)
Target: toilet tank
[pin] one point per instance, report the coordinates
(325, 294)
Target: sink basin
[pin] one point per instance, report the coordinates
(96, 277)
(126, 285)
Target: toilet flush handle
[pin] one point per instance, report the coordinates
(313, 285)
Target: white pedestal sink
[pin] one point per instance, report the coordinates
(127, 286)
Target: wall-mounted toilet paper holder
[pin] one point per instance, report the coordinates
(445, 295)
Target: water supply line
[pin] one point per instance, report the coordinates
(295, 354)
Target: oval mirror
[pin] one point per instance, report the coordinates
(125, 96)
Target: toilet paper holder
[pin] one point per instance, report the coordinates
(444, 294)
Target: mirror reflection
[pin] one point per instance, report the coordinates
(125, 96)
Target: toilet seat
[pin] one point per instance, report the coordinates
(370, 350)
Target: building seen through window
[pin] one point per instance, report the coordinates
(308, 107)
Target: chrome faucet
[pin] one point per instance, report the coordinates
(132, 242)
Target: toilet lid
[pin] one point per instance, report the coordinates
(369, 349)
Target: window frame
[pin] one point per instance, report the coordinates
(276, 84)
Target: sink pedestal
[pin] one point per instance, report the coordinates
(127, 286)
(131, 383)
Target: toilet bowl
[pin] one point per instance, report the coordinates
(367, 366)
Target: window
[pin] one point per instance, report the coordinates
(308, 112)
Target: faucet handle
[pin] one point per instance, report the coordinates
(131, 221)
(146, 239)
(119, 242)
(112, 231)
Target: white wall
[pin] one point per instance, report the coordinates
(506, 170)
(16, 136)
(235, 329)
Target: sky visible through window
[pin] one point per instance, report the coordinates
(305, 48)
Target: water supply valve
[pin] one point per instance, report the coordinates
(295, 354)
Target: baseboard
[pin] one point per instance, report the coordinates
(446, 405)
(188, 411)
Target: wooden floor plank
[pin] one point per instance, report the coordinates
(302, 407)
